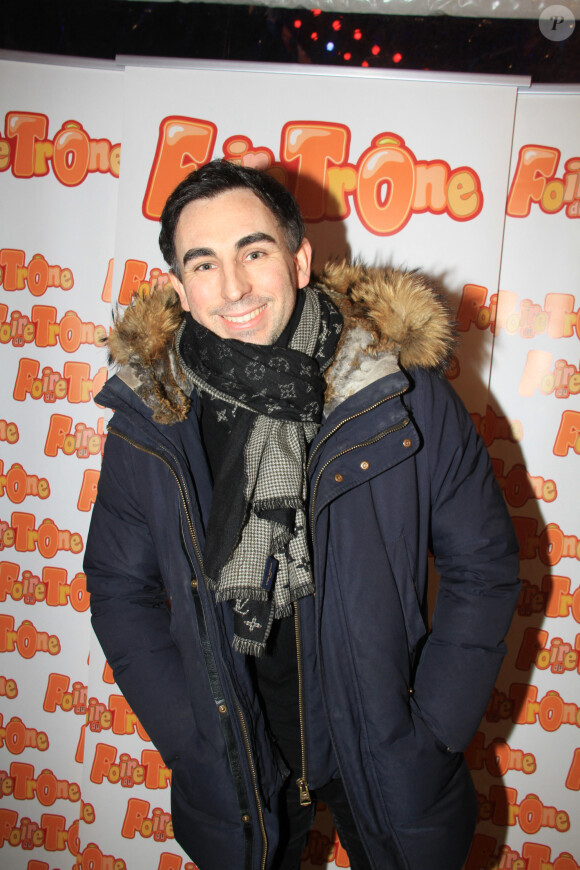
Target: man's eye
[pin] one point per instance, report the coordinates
(204, 267)
(255, 255)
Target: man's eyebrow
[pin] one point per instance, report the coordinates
(253, 238)
(195, 253)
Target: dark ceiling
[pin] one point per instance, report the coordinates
(106, 28)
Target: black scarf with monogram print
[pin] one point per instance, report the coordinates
(270, 399)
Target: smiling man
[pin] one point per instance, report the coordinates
(283, 455)
(236, 280)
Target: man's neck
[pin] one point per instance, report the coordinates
(284, 339)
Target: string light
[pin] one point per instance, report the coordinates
(357, 34)
(364, 63)
(316, 11)
(398, 57)
(297, 23)
(336, 24)
(347, 55)
(314, 36)
(330, 46)
(375, 49)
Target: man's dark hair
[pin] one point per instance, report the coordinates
(217, 177)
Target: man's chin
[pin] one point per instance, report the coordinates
(263, 333)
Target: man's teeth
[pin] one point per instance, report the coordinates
(244, 318)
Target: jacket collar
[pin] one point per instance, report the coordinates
(392, 319)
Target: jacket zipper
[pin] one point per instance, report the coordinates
(348, 419)
(304, 791)
(181, 488)
(254, 784)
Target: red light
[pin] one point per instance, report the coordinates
(336, 25)
(347, 55)
(357, 34)
(297, 23)
(316, 11)
(375, 49)
(314, 36)
(398, 57)
(364, 63)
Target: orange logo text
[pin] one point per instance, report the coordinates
(562, 378)
(71, 154)
(117, 717)
(387, 185)
(535, 856)
(559, 600)
(84, 442)
(16, 737)
(74, 384)
(493, 427)
(88, 493)
(573, 778)
(8, 688)
(17, 484)
(9, 432)
(51, 833)
(149, 771)
(137, 821)
(48, 538)
(59, 693)
(568, 435)
(497, 757)
(535, 182)
(136, 282)
(52, 589)
(501, 808)
(36, 275)
(550, 545)
(168, 861)
(532, 599)
(25, 639)
(23, 785)
(559, 657)
(550, 712)
(44, 330)
(557, 318)
(518, 486)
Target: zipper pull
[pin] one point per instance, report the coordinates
(305, 799)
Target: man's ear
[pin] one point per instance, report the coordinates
(303, 260)
(178, 287)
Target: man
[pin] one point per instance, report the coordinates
(281, 458)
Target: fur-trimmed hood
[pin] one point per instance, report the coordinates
(391, 318)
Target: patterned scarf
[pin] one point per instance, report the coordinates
(257, 555)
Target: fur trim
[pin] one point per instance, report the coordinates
(147, 327)
(403, 314)
(142, 344)
(389, 316)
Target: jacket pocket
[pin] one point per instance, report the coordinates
(405, 581)
(224, 840)
(421, 725)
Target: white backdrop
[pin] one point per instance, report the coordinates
(422, 181)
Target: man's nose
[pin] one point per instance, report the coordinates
(235, 283)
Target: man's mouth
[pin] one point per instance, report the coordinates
(244, 318)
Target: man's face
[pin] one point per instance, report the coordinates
(238, 277)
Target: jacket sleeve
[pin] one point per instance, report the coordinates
(130, 615)
(477, 556)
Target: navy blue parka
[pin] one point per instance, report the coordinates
(387, 702)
